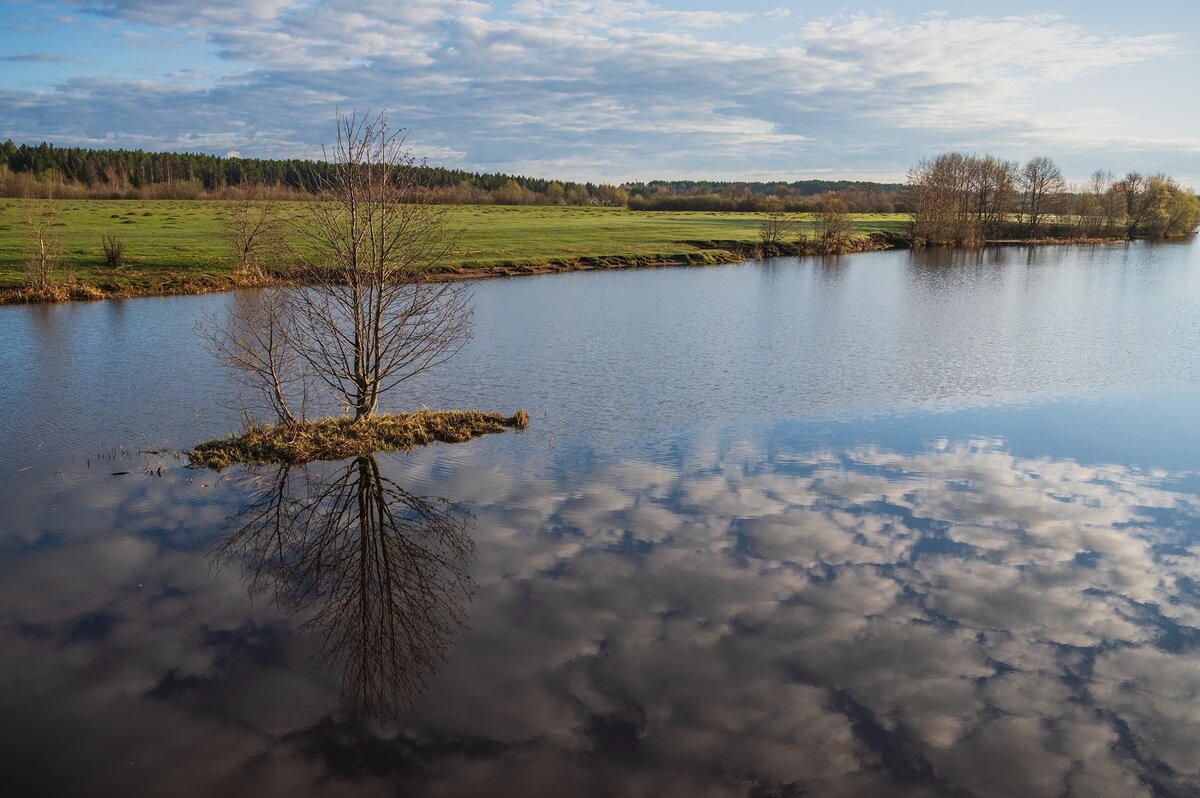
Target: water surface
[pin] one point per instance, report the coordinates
(892, 524)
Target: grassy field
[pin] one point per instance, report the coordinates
(175, 246)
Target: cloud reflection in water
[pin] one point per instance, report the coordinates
(738, 618)
(861, 620)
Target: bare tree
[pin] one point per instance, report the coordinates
(1042, 187)
(255, 343)
(1102, 210)
(774, 229)
(1134, 188)
(256, 231)
(833, 226)
(44, 245)
(373, 316)
(994, 183)
(941, 196)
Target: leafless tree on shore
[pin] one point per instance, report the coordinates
(256, 229)
(1042, 190)
(44, 244)
(833, 226)
(774, 229)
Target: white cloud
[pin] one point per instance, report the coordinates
(617, 88)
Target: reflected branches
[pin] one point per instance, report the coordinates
(382, 574)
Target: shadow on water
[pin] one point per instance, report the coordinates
(380, 574)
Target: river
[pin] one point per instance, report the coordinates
(891, 524)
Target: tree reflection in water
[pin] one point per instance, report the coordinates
(382, 574)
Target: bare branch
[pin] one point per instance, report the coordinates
(370, 317)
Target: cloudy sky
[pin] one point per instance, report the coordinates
(619, 89)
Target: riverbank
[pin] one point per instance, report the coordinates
(178, 247)
(73, 288)
(341, 438)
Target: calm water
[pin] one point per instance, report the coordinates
(893, 525)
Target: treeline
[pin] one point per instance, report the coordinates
(964, 199)
(76, 172)
(80, 173)
(799, 196)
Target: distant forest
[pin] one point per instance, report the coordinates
(76, 172)
(46, 170)
(801, 195)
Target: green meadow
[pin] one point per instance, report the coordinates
(179, 245)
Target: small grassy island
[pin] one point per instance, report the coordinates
(370, 318)
(343, 438)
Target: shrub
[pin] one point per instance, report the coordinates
(114, 252)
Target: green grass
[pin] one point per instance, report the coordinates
(176, 246)
(496, 234)
(179, 242)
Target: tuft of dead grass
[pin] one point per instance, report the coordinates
(342, 438)
(53, 292)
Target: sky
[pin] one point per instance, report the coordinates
(619, 90)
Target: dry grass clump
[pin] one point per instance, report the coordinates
(341, 438)
(52, 292)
